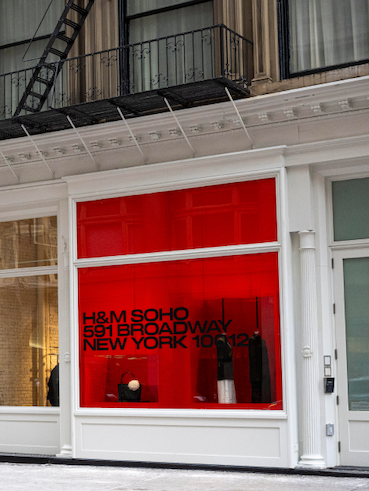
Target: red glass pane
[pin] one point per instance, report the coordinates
(229, 214)
(164, 324)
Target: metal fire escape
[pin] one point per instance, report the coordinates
(45, 73)
(188, 69)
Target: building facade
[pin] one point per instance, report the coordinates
(184, 231)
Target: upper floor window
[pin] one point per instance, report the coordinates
(149, 20)
(19, 20)
(323, 34)
(170, 42)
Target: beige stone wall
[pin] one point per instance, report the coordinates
(268, 87)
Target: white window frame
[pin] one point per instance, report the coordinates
(341, 244)
(32, 271)
(106, 185)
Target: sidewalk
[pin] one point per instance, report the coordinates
(57, 477)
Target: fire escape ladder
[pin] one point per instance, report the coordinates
(45, 73)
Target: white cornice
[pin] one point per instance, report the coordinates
(343, 90)
(272, 120)
(339, 90)
(42, 192)
(333, 151)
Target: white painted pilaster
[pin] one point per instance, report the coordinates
(64, 335)
(312, 457)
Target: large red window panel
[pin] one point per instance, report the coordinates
(221, 215)
(188, 331)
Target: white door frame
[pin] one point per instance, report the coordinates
(353, 425)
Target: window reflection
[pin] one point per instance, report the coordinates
(29, 348)
(28, 243)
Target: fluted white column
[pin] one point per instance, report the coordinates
(309, 381)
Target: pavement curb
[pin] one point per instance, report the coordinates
(341, 471)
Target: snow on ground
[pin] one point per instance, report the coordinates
(51, 477)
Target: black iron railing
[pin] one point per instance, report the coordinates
(214, 53)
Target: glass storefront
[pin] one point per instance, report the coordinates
(186, 330)
(229, 214)
(29, 348)
(28, 243)
(199, 332)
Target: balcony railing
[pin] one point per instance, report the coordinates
(188, 68)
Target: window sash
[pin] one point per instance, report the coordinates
(326, 33)
(137, 7)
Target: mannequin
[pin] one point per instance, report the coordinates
(53, 394)
(225, 379)
(259, 369)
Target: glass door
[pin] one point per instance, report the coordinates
(351, 281)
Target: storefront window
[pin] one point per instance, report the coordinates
(230, 214)
(194, 333)
(28, 243)
(180, 333)
(29, 314)
(29, 340)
